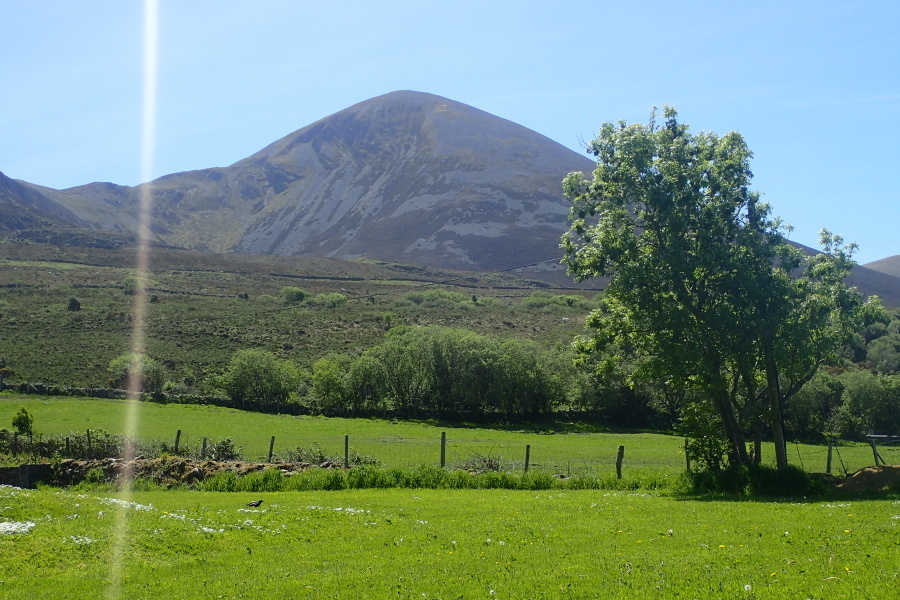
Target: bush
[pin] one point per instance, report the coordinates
(293, 295)
(147, 372)
(756, 480)
(23, 422)
(328, 300)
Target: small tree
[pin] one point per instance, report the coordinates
(23, 422)
(74, 304)
(260, 377)
(131, 284)
(138, 371)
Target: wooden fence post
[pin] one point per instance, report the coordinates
(527, 456)
(346, 451)
(443, 449)
(177, 440)
(619, 456)
(828, 460)
(68, 448)
(89, 443)
(271, 447)
(875, 452)
(203, 449)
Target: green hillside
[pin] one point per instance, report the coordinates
(198, 317)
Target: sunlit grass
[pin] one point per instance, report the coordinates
(450, 544)
(398, 443)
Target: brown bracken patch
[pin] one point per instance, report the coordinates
(871, 479)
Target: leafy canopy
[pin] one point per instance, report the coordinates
(702, 281)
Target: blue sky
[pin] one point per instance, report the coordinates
(814, 87)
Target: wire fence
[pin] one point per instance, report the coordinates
(474, 449)
(568, 455)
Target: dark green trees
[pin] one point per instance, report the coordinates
(260, 378)
(702, 282)
(436, 371)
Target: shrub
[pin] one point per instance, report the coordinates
(23, 422)
(293, 295)
(149, 374)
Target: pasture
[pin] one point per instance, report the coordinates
(442, 544)
(563, 448)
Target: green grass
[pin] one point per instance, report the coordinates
(396, 444)
(445, 544)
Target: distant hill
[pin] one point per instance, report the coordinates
(888, 266)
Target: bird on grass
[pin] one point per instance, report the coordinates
(255, 503)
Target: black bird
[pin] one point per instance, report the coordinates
(255, 503)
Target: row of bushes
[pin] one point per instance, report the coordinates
(755, 481)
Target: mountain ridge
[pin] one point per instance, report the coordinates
(406, 177)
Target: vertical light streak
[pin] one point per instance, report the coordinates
(142, 267)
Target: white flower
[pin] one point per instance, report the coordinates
(11, 527)
(748, 587)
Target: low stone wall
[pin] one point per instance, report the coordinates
(170, 470)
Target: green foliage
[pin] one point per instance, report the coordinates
(73, 304)
(23, 422)
(138, 370)
(707, 443)
(547, 302)
(884, 354)
(131, 285)
(756, 480)
(444, 372)
(328, 389)
(260, 378)
(703, 283)
(293, 295)
(224, 449)
(333, 300)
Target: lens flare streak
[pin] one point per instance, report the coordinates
(142, 267)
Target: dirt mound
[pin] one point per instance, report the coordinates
(871, 479)
(170, 470)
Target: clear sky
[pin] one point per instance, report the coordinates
(814, 87)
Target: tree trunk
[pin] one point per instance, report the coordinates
(757, 443)
(773, 392)
(737, 455)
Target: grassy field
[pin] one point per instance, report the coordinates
(442, 544)
(567, 449)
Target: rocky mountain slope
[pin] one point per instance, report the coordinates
(405, 177)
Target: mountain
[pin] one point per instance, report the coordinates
(888, 266)
(405, 177)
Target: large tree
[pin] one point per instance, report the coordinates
(701, 279)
